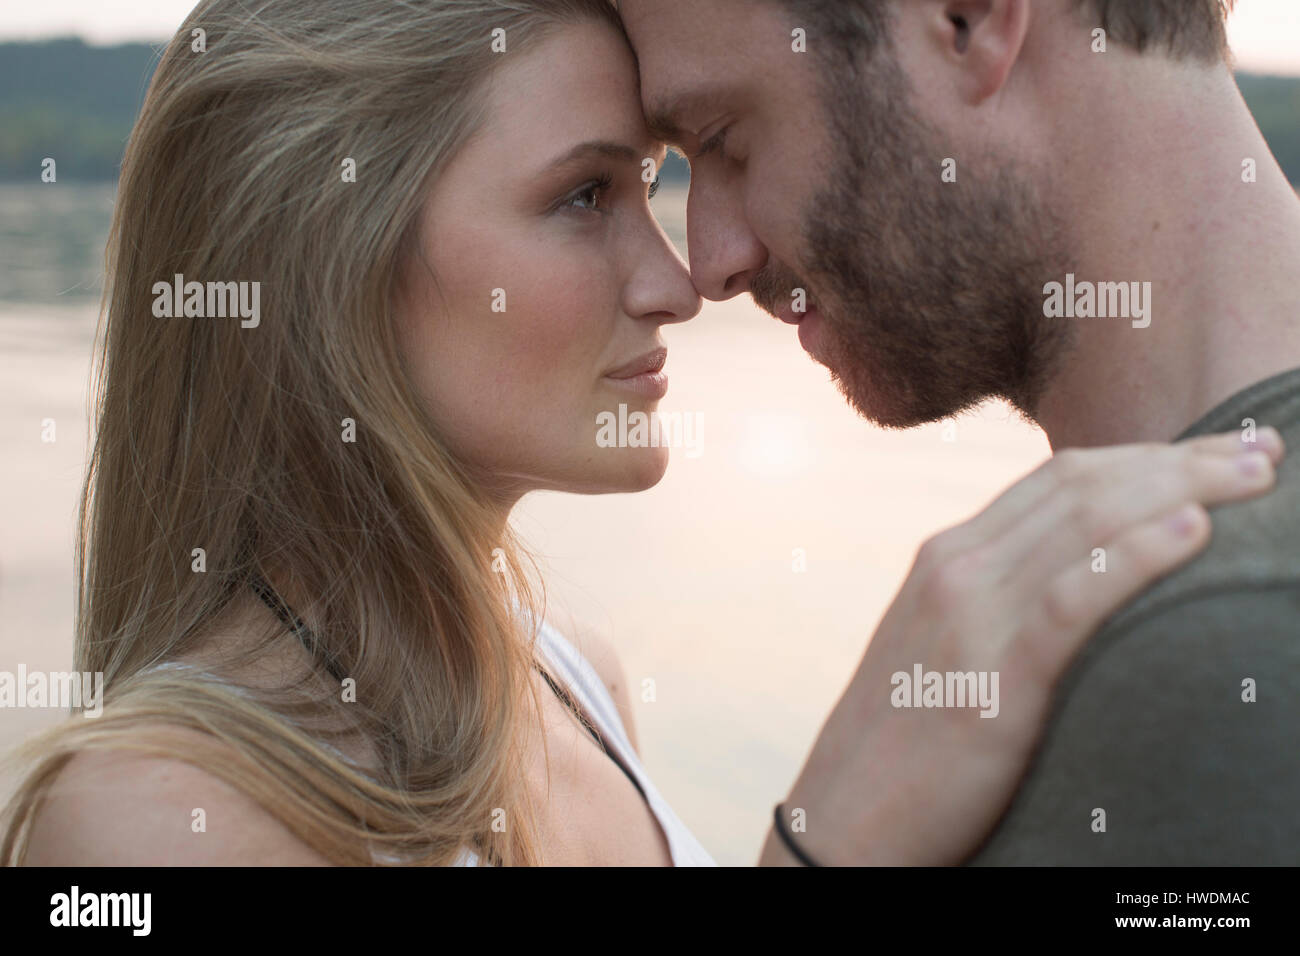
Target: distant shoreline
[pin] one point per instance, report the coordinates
(76, 103)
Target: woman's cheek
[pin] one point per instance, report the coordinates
(532, 332)
(565, 326)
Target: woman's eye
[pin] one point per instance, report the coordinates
(589, 196)
(654, 187)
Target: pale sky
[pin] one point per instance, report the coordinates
(1265, 34)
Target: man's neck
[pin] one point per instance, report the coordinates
(1159, 197)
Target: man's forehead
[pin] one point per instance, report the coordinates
(662, 29)
(678, 56)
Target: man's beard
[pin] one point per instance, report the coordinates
(930, 291)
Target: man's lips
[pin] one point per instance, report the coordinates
(810, 324)
(811, 332)
(790, 317)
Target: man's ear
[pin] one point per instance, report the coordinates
(982, 39)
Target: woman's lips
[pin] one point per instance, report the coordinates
(652, 385)
(644, 375)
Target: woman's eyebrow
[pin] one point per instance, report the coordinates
(598, 147)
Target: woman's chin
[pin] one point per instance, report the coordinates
(624, 471)
(652, 465)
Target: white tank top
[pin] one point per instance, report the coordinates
(580, 680)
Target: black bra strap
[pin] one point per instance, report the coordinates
(568, 702)
(295, 624)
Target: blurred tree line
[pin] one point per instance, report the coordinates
(75, 103)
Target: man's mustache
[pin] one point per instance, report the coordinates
(774, 287)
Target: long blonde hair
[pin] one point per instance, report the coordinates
(230, 439)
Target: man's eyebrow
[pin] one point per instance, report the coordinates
(664, 114)
(605, 148)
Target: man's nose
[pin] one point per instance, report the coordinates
(724, 252)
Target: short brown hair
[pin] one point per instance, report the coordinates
(1184, 28)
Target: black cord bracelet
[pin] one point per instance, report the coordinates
(788, 840)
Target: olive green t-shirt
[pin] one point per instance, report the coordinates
(1180, 720)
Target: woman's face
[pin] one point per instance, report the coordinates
(552, 276)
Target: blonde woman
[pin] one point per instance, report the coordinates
(347, 679)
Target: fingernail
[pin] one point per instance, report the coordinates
(1183, 521)
(1253, 463)
(1269, 437)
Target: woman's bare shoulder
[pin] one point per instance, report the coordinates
(603, 657)
(119, 808)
